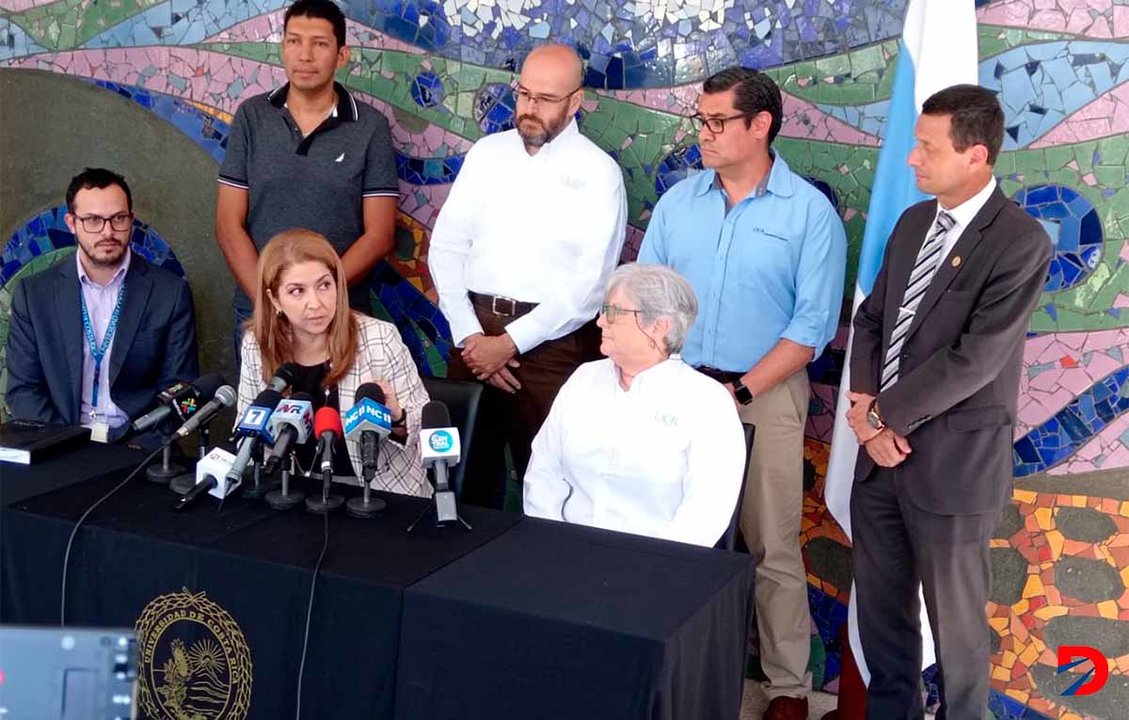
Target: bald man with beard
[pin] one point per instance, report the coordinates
(520, 256)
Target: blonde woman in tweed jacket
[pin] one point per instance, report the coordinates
(302, 316)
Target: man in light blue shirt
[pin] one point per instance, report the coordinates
(766, 254)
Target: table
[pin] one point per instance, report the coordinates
(517, 618)
(577, 623)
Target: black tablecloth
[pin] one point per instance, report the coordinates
(519, 618)
(559, 621)
(253, 562)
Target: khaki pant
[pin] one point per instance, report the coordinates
(770, 524)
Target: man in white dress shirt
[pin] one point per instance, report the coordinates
(640, 442)
(520, 256)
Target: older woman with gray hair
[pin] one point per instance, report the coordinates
(640, 442)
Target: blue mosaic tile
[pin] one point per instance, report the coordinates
(829, 616)
(427, 90)
(629, 47)
(1003, 707)
(48, 231)
(678, 165)
(494, 108)
(1073, 223)
(422, 326)
(208, 132)
(1072, 427)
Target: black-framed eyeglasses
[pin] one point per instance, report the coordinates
(715, 125)
(94, 223)
(611, 312)
(524, 95)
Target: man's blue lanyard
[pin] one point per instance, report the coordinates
(97, 353)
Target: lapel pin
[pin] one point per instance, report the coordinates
(956, 261)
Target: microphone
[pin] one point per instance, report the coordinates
(169, 401)
(327, 427)
(367, 421)
(291, 424)
(283, 377)
(439, 448)
(209, 470)
(252, 429)
(224, 397)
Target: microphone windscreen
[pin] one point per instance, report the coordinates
(268, 398)
(207, 385)
(435, 415)
(225, 395)
(372, 391)
(302, 397)
(287, 373)
(327, 420)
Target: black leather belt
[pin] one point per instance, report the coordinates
(722, 376)
(503, 306)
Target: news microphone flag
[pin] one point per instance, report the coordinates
(367, 414)
(439, 444)
(937, 50)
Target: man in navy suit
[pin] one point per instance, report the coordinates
(92, 341)
(935, 364)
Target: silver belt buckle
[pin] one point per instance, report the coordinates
(494, 305)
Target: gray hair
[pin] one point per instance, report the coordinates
(659, 292)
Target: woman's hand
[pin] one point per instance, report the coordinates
(390, 400)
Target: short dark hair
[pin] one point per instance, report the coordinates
(753, 92)
(97, 178)
(323, 9)
(976, 117)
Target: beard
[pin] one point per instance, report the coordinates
(544, 131)
(102, 256)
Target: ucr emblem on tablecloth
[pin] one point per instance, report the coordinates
(194, 660)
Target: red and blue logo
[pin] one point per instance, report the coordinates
(1071, 656)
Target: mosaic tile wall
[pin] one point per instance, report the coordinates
(442, 72)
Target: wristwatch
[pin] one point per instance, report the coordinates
(873, 418)
(401, 421)
(740, 391)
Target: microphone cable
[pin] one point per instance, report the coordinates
(310, 613)
(82, 518)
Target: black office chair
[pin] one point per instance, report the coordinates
(461, 399)
(729, 539)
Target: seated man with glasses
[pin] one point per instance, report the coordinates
(520, 254)
(91, 341)
(640, 442)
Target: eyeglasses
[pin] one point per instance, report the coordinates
(523, 95)
(611, 312)
(715, 125)
(94, 223)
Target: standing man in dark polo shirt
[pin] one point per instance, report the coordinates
(307, 155)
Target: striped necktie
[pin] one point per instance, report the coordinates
(928, 260)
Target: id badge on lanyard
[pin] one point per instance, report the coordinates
(99, 426)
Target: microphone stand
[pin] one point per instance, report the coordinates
(366, 506)
(166, 471)
(431, 509)
(326, 503)
(283, 499)
(258, 488)
(185, 482)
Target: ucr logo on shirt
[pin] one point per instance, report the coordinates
(441, 441)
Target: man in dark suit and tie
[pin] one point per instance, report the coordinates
(92, 340)
(935, 364)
